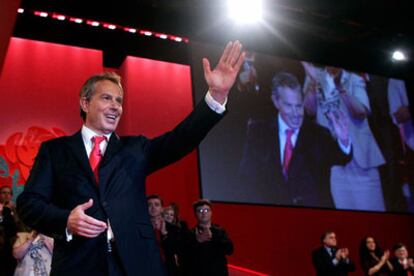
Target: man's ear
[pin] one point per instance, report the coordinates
(84, 104)
(275, 101)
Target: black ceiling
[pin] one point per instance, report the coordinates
(355, 34)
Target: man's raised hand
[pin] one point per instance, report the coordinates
(222, 77)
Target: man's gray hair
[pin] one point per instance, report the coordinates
(284, 79)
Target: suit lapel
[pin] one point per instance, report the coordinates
(78, 149)
(276, 150)
(114, 146)
(105, 168)
(301, 146)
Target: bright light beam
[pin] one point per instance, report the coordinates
(398, 55)
(245, 11)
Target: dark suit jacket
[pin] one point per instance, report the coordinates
(322, 262)
(207, 258)
(61, 179)
(315, 152)
(399, 268)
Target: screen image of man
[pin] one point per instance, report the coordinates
(287, 159)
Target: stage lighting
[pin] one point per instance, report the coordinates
(245, 11)
(398, 55)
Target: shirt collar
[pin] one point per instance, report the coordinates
(88, 133)
(283, 126)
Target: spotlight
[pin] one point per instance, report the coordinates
(92, 23)
(146, 33)
(58, 16)
(245, 11)
(109, 26)
(130, 30)
(162, 36)
(41, 14)
(76, 20)
(20, 10)
(398, 55)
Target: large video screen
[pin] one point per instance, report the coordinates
(298, 133)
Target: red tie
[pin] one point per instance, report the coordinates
(96, 155)
(287, 153)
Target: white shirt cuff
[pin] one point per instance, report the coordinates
(335, 261)
(345, 149)
(69, 235)
(214, 105)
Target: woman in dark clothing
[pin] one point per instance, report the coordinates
(373, 260)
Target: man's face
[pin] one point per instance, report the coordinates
(203, 214)
(154, 207)
(5, 195)
(330, 240)
(104, 109)
(401, 253)
(290, 106)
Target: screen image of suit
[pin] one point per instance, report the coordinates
(61, 179)
(315, 152)
(324, 266)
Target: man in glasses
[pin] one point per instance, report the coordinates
(207, 244)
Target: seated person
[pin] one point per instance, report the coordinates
(34, 254)
(329, 260)
(167, 234)
(374, 261)
(403, 265)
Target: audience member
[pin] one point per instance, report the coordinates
(329, 260)
(167, 234)
(7, 233)
(174, 210)
(207, 244)
(34, 254)
(373, 260)
(403, 265)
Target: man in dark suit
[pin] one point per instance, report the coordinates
(287, 160)
(97, 210)
(206, 245)
(328, 260)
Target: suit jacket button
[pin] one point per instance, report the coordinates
(104, 204)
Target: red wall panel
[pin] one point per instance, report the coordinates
(40, 85)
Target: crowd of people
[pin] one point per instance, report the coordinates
(331, 260)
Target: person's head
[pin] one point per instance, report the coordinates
(202, 211)
(400, 251)
(101, 100)
(169, 214)
(6, 194)
(368, 246)
(154, 205)
(329, 239)
(288, 99)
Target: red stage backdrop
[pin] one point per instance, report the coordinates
(39, 87)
